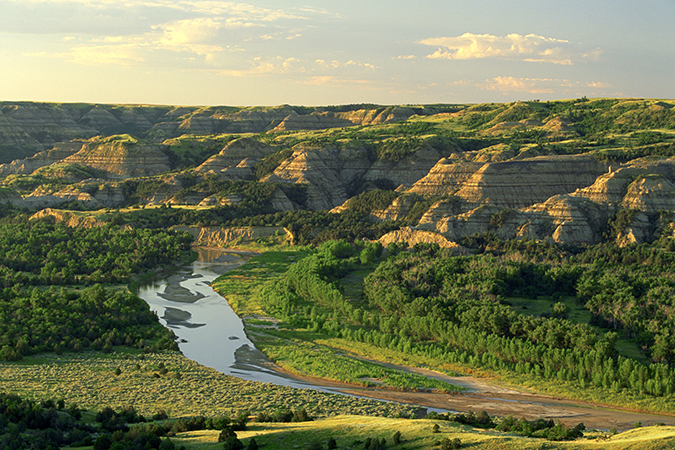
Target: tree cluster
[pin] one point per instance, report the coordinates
(41, 252)
(35, 320)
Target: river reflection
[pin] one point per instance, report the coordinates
(208, 329)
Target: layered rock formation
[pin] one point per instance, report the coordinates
(122, 157)
(445, 177)
(326, 171)
(237, 160)
(230, 237)
(314, 121)
(42, 159)
(412, 237)
(486, 168)
(69, 218)
(46, 197)
(407, 171)
(399, 209)
(516, 184)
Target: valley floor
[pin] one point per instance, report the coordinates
(484, 395)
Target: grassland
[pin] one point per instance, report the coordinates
(352, 432)
(183, 388)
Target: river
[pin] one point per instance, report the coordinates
(212, 334)
(208, 329)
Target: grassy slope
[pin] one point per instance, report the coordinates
(89, 380)
(348, 431)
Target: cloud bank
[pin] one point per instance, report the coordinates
(531, 48)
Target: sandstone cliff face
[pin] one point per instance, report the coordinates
(330, 172)
(313, 121)
(643, 185)
(326, 171)
(573, 220)
(399, 208)
(445, 177)
(168, 190)
(229, 237)
(28, 128)
(69, 218)
(257, 120)
(472, 222)
(121, 157)
(406, 172)
(33, 127)
(236, 160)
(412, 237)
(650, 193)
(99, 118)
(42, 159)
(517, 184)
(110, 195)
(329, 119)
(47, 198)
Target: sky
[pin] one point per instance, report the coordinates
(312, 53)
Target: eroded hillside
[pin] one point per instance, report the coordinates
(572, 172)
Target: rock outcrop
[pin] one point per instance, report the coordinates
(327, 172)
(314, 121)
(411, 237)
(229, 237)
(399, 208)
(42, 159)
(407, 171)
(517, 184)
(69, 218)
(47, 198)
(122, 157)
(643, 185)
(237, 160)
(445, 177)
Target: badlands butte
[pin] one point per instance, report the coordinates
(573, 172)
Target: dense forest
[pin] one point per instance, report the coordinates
(460, 308)
(36, 256)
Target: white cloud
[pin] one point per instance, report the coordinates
(598, 85)
(191, 35)
(360, 64)
(531, 48)
(329, 80)
(267, 66)
(118, 55)
(513, 84)
(536, 85)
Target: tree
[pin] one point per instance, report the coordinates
(450, 444)
(560, 310)
(232, 443)
(226, 433)
(397, 437)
